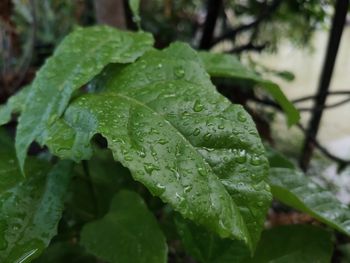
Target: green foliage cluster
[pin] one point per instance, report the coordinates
(183, 163)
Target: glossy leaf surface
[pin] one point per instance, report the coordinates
(30, 207)
(228, 66)
(80, 56)
(128, 233)
(293, 188)
(186, 143)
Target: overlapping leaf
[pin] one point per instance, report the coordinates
(186, 143)
(287, 244)
(128, 233)
(293, 243)
(223, 65)
(294, 189)
(30, 207)
(80, 57)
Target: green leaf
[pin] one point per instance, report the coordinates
(294, 189)
(30, 207)
(287, 244)
(129, 232)
(207, 247)
(15, 104)
(228, 66)
(80, 56)
(277, 159)
(294, 243)
(64, 252)
(164, 120)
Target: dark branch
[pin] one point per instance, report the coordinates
(239, 29)
(213, 10)
(339, 18)
(329, 93)
(341, 162)
(250, 46)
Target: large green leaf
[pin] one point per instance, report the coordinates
(128, 233)
(79, 57)
(294, 243)
(228, 66)
(296, 190)
(164, 120)
(30, 207)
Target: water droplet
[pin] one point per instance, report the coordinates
(162, 141)
(255, 160)
(201, 171)
(160, 65)
(221, 126)
(149, 168)
(179, 72)
(187, 188)
(241, 116)
(198, 106)
(207, 137)
(196, 131)
(128, 158)
(241, 156)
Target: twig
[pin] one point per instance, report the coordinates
(263, 16)
(250, 46)
(213, 9)
(329, 93)
(342, 162)
(329, 106)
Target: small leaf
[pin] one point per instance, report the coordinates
(228, 66)
(294, 243)
(30, 207)
(277, 159)
(294, 189)
(128, 233)
(164, 120)
(80, 56)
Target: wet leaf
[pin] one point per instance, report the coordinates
(30, 207)
(164, 120)
(80, 56)
(294, 189)
(128, 233)
(228, 66)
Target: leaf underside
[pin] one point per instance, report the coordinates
(164, 120)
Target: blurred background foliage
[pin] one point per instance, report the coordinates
(30, 29)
